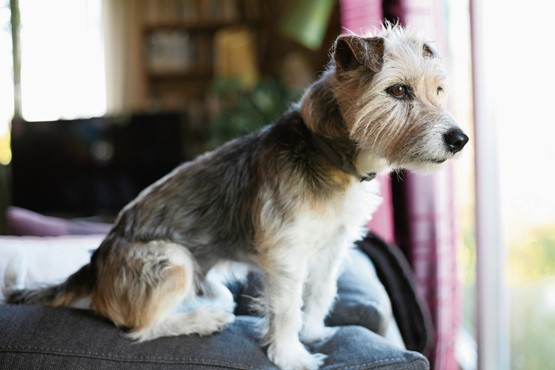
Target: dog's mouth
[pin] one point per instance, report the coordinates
(431, 160)
(436, 161)
(419, 163)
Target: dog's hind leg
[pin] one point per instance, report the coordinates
(202, 321)
(143, 292)
(214, 295)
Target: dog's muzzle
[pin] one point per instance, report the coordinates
(455, 140)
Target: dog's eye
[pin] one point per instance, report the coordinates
(398, 91)
(439, 90)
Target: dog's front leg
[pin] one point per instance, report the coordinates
(320, 291)
(284, 283)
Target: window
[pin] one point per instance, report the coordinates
(62, 59)
(6, 82)
(516, 58)
(522, 65)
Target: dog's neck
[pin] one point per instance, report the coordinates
(321, 115)
(327, 149)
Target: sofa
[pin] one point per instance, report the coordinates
(370, 335)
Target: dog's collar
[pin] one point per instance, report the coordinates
(338, 160)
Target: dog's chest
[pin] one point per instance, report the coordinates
(342, 219)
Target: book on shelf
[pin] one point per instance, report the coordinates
(170, 51)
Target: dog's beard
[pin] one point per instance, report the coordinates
(405, 140)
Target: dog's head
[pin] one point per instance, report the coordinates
(390, 89)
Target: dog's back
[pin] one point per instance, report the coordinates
(212, 204)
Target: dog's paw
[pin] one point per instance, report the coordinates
(210, 322)
(295, 357)
(200, 322)
(311, 334)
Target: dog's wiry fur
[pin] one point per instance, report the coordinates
(288, 199)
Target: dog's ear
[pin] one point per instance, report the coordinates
(428, 51)
(351, 51)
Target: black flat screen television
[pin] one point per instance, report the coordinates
(93, 166)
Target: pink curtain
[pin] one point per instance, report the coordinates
(360, 15)
(425, 218)
(426, 231)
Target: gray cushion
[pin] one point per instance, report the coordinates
(45, 338)
(362, 299)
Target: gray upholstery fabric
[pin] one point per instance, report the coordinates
(34, 337)
(362, 299)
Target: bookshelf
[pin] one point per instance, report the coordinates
(178, 39)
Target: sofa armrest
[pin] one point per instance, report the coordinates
(35, 337)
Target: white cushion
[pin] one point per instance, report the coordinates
(36, 260)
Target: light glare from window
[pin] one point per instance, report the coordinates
(62, 53)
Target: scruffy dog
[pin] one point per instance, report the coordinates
(289, 200)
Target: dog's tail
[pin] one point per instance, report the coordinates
(78, 285)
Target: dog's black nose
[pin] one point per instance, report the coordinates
(455, 140)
